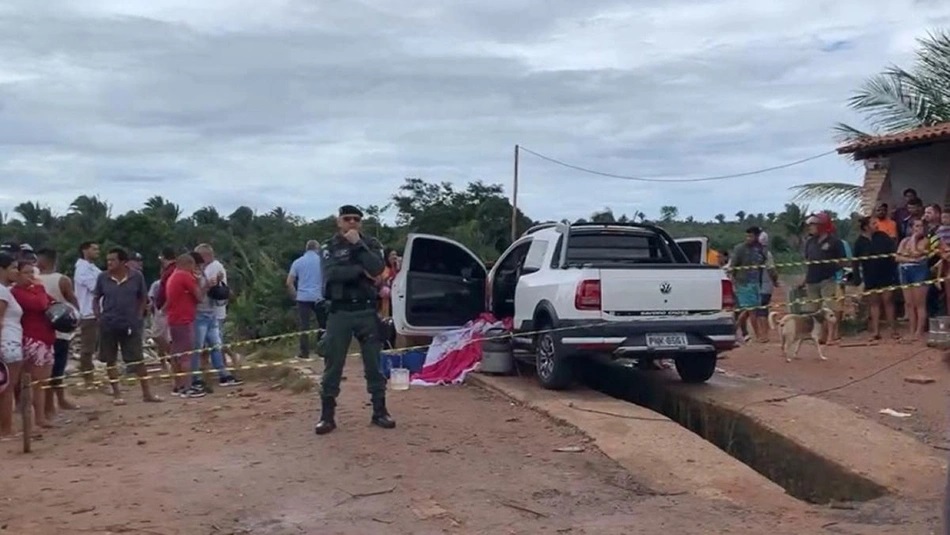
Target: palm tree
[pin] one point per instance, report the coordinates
(92, 208)
(897, 99)
(792, 221)
(893, 101)
(34, 214)
(207, 215)
(89, 213)
(162, 208)
(837, 193)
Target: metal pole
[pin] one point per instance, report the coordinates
(514, 200)
(26, 409)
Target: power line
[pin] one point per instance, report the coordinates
(702, 179)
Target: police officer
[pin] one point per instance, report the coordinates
(352, 262)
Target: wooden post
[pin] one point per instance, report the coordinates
(514, 200)
(26, 410)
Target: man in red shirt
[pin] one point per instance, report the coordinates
(182, 293)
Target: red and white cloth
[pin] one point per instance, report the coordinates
(453, 354)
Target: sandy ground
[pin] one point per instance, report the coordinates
(865, 378)
(908, 378)
(462, 460)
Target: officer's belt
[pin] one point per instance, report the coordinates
(343, 305)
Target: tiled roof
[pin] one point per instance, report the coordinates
(916, 136)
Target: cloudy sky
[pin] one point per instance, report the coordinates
(308, 104)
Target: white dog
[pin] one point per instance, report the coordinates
(796, 328)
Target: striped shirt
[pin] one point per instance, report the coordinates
(943, 234)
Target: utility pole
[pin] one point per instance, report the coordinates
(514, 200)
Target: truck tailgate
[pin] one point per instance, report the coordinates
(660, 291)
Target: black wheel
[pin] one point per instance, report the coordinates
(696, 368)
(553, 369)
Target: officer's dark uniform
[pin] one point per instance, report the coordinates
(352, 298)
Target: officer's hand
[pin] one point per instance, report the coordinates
(352, 236)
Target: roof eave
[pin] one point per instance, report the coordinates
(859, 152)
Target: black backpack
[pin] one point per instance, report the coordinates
(220, 292)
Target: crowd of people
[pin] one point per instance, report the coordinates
(113, 312)
(906, 247)
(305, 284)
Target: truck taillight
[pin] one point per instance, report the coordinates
(728, 296)
(587, 295)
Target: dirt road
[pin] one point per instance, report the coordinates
(910, 379)
(462, 460)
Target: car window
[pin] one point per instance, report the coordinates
(515, 258)
(693, 250)
(536, 254)
(442, 258)
(614, 247)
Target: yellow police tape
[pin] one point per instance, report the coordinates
(253, 341)
(845, 296)
(816, 262)
(263, 365)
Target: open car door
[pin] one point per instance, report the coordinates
(696, 249)
(441, 286)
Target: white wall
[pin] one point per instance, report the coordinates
(926, 169)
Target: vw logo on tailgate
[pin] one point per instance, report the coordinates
(666, 288)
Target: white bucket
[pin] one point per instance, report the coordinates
(399, 379)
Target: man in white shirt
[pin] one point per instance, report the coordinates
(214, 334)
(84, 279)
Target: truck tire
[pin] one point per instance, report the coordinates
(552, 367)
(696, 368)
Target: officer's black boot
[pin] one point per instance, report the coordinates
(381, 416)
(327, 421)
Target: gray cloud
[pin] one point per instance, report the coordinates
(308, 105)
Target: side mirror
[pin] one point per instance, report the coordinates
(562, 228)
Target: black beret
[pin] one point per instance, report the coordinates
(349, 209)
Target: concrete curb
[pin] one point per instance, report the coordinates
(666, 457)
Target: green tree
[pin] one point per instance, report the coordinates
(668, 213)
(604, 216)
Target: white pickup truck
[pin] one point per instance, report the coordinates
(616, 292)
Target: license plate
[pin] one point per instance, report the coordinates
(666, 340)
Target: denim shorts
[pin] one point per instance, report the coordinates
(913, 273)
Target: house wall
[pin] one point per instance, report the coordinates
(926, 169)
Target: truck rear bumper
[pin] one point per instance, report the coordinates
(629, 339)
